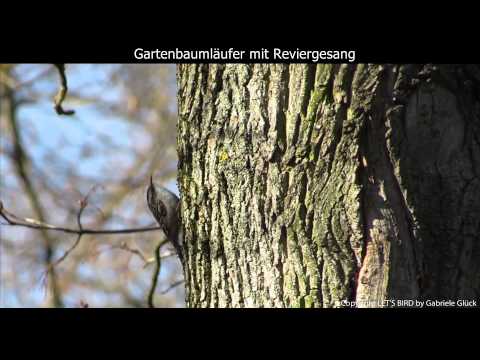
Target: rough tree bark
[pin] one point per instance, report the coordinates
(306, 185)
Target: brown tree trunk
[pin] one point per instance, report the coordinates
(308, 185)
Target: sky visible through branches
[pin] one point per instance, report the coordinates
(122, 131)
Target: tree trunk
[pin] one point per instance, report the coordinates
(308, 185)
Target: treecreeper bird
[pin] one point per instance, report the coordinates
(165, 207)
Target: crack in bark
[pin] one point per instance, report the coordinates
(312, 160)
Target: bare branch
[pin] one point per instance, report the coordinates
(66, 253)
(62, 92)
(172, 286)
(21, 165)
(156, 272)
(83, 204)
(124, 246)
(14, 220)
(147, 261)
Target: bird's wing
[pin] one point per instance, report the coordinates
(163, 216)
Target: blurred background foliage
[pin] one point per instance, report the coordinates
(123, 130)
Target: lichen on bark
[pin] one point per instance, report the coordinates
(305, 185)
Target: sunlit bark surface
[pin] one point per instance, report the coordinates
(306, 185)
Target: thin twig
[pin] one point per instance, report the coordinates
(124, 246)
(66, 253)
(154, 259)
(172, 286)
(13, 220)
(83, 205)
(135, 251)
(139, 253)
(62, 92)
(156, 272)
